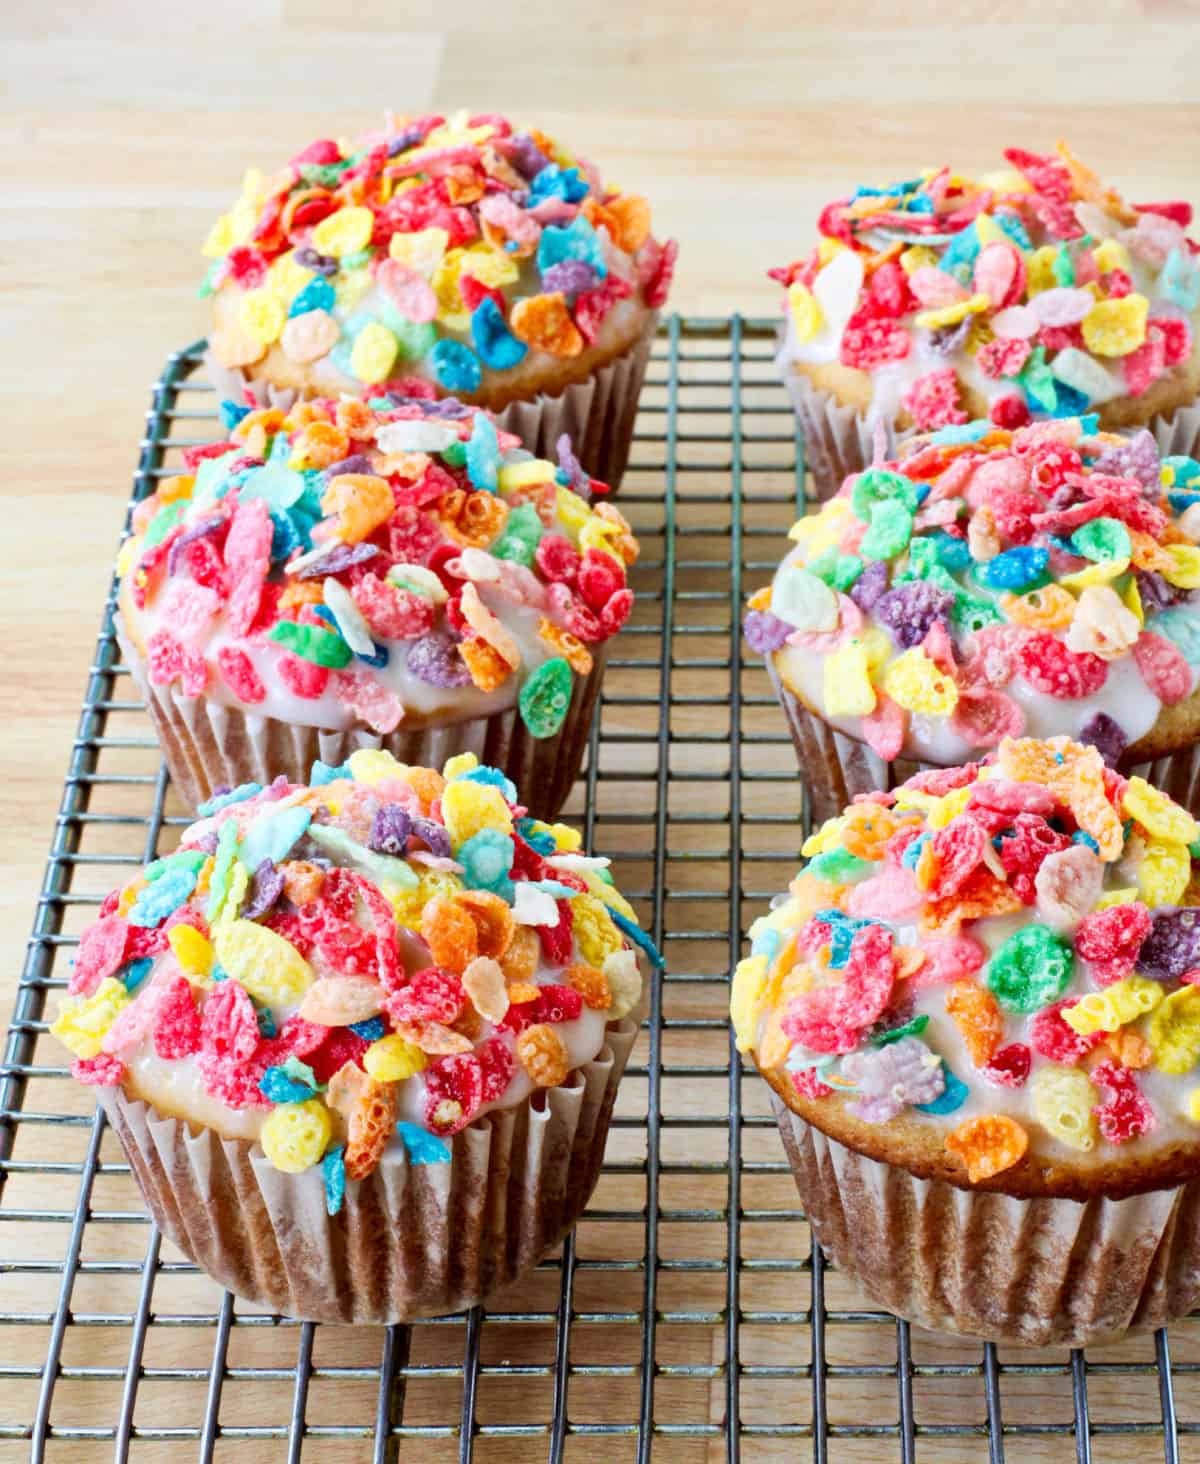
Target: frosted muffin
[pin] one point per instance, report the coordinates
(463, 256)
(978, 1013)
(361, 1040)
(1033, 292)
(401, 574)
(985, 584)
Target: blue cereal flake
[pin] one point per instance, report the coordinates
(192, 859)
(498, 348)
(912, 851)
(843, 929)
(960, 432)
(456, 366)
(163, 897)
(279, 1088)
(267, 1025)
(423, 1147)
(952, 1096)
(638, 937)
(491, 778)
(765, 942)
(371, 1030)
(135, 973)
(223, 800)
(556, 182)
(1081, 836)
(1016, 569)
(483, 453)
(578, 240)
(538, 840)
(231, 414)
(323, 773)
(300, 1072)
(1181, 626)
(333, 1172)
(318, 294)
(486, 858)
(271, 836)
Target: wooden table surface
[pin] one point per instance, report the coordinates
(126, 127)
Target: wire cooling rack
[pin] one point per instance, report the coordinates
(689, 1318)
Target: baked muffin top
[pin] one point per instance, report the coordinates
(988, 583)
(371, 563)
(374, 959)
(465, 251)
(1036, 291)
(991, 974)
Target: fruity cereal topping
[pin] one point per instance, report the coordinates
(354, 562)
(375, 959)
(438, 249)
(1039, 290)
(988, 583)
(1008, 950)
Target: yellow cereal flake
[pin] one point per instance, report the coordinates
(81, 1024)
(806, 312)
(915, 683)
(1159, 815)
(846, 686)
(1116, 327)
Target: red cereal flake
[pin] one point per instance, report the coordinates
(293, 928)
(296, 1038)
(870, 340)
(412, 536)
(1175, 209)
(205, 565)
(348, 948)
(101, 1071)
(600, 576)
(392, 613)
(658, 285)
(1022, 851)
(957, 851)
(1051, 464)
(1009, 1065)
(1125, 1112)
(809, 1085)
(593, 305)
(101, 952)
(238, 671)
(245, 267)
(1001, 357)
(1057, 338)
(1049, 175)
(1050, 1036)
(1048, 665)
(1163, 667)
(888, 290)
(339, 1047)
(433, 995)
(1117, 284)
(557, 559)
(616, 612)
(1109, 940)
(228, 1025)
(245, 601)
(1013, 509)
(496, 1063)
(1009, 412)
(368, 699)
(232, 1083)
(573, 615)
(1143, 367)
(177, 1020)
(144, 942)
(193, 673)
(164, 658)
(558, 941)
(453, 1092)
(248, 543)
(553, 1004)
(832, 1018)
(1176, 338)
(302, 678)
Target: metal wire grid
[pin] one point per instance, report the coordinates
(689, 1318)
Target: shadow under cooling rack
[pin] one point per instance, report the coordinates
(689, 1318)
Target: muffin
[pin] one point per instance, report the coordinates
(401, 574)
(458, 256)
(990, 583)
(1034, 292)
(978, 1012)
(361, 1040)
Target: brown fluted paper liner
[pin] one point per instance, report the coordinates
(412, 1239)
(207, 745)
(597, 414)
(1037, 1272)
(836, 767)
(838, 440)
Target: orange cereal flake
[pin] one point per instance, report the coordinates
(591, 984)
(544, 322)
(543, 1055)
(988, 1145)
(372, 1120)
(978, 1017)
(449, 931)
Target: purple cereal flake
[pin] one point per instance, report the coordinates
(390, 829)
(1106, 735)
(404, 140)
(322, 264)
(449, 408)
(357, 462)
(1173, 945)
(525, 155)
(337, 559)
(435, 659)
(570, 277)
(1138, 458)
(433, 836)
(909, 611)
(869, 586)
(949, 339)
(1065, 496)
(265, 889)
(1156, 593)
(765, 632)
(889, 1078)
(208, 843)
(571, 465)
(202, 530)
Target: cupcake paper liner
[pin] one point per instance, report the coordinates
(838, 767)
(412, 1239)
(1038, 1272)
(207, 745)
(597, 414)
